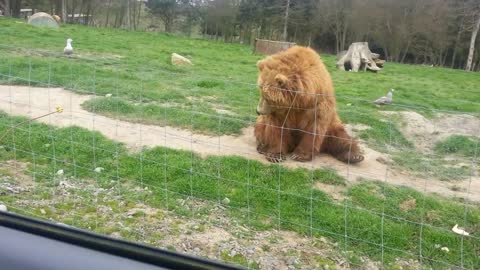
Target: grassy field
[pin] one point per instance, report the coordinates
(373, 215)
(134, 67)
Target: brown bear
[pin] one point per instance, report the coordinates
(297, 110)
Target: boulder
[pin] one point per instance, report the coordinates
(179, 60)
(42, 19)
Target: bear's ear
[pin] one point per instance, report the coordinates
(261, 65)
(281, 79)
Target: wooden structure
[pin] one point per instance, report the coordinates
(268, 47)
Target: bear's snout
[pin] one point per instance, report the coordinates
(260, 110)
(263, 108)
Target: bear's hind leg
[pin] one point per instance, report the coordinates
(340, 145)
(309, 145)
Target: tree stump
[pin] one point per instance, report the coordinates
(359, 57)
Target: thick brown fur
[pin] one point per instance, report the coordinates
(297, 110)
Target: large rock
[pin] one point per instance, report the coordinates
(179, 60)
(42, 19)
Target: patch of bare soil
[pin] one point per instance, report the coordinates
(33, 101)
(13, 182)
(338, 193)
(424, 132)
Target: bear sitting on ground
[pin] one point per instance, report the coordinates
(297, 110)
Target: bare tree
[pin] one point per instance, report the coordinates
(285, 25)
(472, 44)
(412, 31)
(166, 10)
(5, 6)
(64, 10)
(15, 6)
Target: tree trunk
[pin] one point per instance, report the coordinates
(295, 34)
(72, 12)
(116, 20)
(285, 24)
(134, 15)
(337, 40)
(57, 9)
(455, 48)
(358, 57)
(168, 24)
(139, 13)
(109, 3)
(472, 45)
(89, 14)
(406, 51)
(5, 6)
(15, 6)
(53, 8)
(385, 51)
(127, 16)
(344, 36)
(444, 60)
(63, 10)
(457, 41)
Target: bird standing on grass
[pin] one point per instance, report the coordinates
(68, 50)
(385, 99)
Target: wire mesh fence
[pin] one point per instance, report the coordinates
(192, 169)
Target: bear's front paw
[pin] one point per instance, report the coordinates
(275, 157)
(261, 148)
(302, 157)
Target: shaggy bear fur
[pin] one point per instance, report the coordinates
(297, 110)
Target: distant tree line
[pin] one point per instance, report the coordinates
(431, 32)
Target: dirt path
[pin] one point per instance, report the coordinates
(33, 101)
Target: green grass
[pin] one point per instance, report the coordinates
(459, 145)
(430, 165)
(264, 197)
(135, 68)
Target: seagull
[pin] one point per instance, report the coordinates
(68, 50)
(387, 99)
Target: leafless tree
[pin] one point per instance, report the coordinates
(475, 29)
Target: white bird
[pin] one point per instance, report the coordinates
(387, 99)
(460, 231)
(68, 50)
